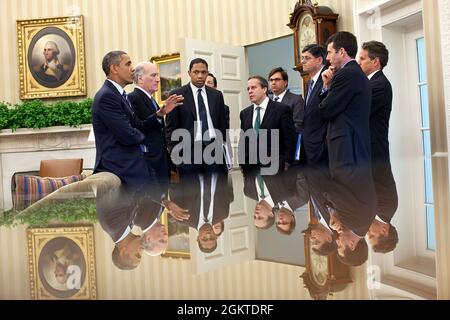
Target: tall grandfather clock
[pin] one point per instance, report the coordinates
(312, 24)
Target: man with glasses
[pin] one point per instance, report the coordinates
(314, 127)
(146, 80)
(278, 81)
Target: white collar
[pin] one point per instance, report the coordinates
(316, 76)
(379, 219)
(263, 104)
(148, 94)
(372, 74)
(195, 89)
(118, 86)
(125, 234)
(280, 96)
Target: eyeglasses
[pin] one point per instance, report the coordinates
(275, 79)
(306, 58)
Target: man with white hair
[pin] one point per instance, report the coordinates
(146, 80)
(52, 70)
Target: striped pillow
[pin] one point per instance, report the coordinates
(30, 189)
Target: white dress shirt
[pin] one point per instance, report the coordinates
(262, 112)
(268, 197)
(198, 135)
(209, 218)
(281, 96)
(118, 86)
(152, 100)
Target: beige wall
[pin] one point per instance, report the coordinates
(143, 28)
(146, 28)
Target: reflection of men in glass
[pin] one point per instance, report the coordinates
(52, 70)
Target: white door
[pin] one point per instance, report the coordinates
(228, 64)
(237, 242)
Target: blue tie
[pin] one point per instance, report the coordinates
(125, 96)
(154, 104)
(310, 89)
(203, 115)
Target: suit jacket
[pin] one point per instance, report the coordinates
(296, 104)
(119, 208)
(227, 117)
(118, 134)
(187, 194)
(314, 128)
(380, 113)
(185, 115)
(281, 187)
(157, 156)
(355, 207)
(277, 116)
(346, 106)
(385, 187)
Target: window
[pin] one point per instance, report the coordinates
(428, 192)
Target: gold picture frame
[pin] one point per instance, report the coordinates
(178, 246)
(170, 75)
(51, 58)
(62, 263)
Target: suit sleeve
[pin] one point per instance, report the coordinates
(298, 112)
(172, 122)
(343, 89)
(114, 117)
(223, 117)
(288, 135)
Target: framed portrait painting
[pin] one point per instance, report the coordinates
(178, 246)
(169, 73)
(61, 263)
(51, 58)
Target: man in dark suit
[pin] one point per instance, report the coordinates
(207, 196)
(119, 210)
(373, 57)
(119, 134)
(346, 97)
(352, 209)
(259, 122)
(279, 81)
(211, 81)
(203, 116)
(314, 148)
(146, 80)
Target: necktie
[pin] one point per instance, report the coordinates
(154, 105)
(257, 125)
(125, 97)
(207, 196)
(202, 113)
(276, 99)
(316, 209)
(310, 89)
(260, 181)
(143, 147)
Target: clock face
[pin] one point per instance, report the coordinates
(319, 268)
(306, 32)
